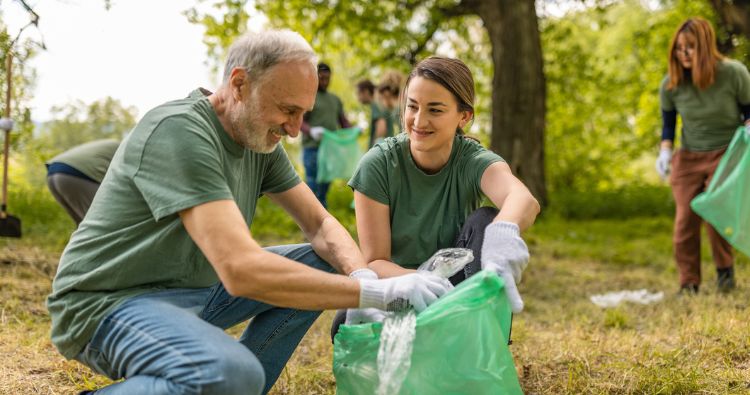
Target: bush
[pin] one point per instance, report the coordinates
(44, 223)
(626, 202)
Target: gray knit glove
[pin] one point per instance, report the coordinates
(505, 253)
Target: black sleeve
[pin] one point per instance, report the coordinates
(669, 122)
(745, 110)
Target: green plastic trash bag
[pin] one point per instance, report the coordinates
(338, 154)
(726, 202)
(460, 346)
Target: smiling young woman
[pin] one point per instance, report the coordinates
(420, 191)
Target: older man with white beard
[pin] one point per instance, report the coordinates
(164, 260)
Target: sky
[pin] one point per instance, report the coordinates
(141, 52)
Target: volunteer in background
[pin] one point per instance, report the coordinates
(711, 93)
(74, 176)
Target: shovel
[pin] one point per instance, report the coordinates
(10, 226)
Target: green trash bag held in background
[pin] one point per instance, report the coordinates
(338, 154)
(460, 346)
(726, 202)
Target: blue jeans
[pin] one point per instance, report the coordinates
(173, 341)
(310, 160)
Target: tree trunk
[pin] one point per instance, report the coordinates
(734, 17)
(518, 89)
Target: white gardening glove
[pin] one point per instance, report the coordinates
(417, 290)
(316, 132)
(6, 124)
(663, 161)
(505, 253)
(361, 316)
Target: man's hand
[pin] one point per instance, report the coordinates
(663, 161)
(505, 253)
(316, 132)
(417, 290)
(362, 316)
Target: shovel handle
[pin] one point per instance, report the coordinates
(8, 80)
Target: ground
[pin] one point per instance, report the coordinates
(562, 343)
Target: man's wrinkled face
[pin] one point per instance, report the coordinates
(275, 106)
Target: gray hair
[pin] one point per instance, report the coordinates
(258, 52)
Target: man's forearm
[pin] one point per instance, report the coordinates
(276, 280)
(334, 244)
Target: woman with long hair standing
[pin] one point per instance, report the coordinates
(711, 93)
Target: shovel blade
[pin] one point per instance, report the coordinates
(10, 226)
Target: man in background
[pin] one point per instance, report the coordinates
(74, 176)
(378, 123)
(327, 114)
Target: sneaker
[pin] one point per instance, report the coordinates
(725, 279)
(688, 289)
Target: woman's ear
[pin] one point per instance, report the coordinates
(465, 118)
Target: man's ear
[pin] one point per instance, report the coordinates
(238, 82)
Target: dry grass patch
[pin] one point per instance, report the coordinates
(563, 343)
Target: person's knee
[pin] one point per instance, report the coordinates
(482, 216)
(235, 373)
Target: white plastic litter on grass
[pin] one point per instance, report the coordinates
(612, 299)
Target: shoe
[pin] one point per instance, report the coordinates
(688, 289)
(725, 279)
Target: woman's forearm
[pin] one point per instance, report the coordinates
(520, 207)
(386, 269)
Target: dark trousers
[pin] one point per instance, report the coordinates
(310, 160)
(691, 174)
(471, 237)
(74, 194)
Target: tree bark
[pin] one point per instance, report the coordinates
(518, 89)
(735, 19)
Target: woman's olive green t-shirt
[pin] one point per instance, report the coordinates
(427, 211)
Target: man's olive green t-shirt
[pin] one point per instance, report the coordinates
(427, 211)
(327, 112)
(709, 117)
(91, 159)
(132, 240)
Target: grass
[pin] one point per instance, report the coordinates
(562, 343)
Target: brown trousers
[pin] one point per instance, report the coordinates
(691, 174)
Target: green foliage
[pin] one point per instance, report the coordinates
(22, 80)
(44, 222)
(77, 122)
(362, 39)
(621, 202)
(603, 68)
(221, 29)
